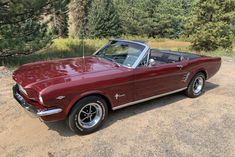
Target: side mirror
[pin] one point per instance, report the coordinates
(151, 62)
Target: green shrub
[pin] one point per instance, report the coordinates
(209, 25)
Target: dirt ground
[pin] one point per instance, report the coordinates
(170, 126)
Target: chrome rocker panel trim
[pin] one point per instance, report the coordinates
(31, 108)
(149, 98)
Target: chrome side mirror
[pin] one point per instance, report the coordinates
(151, 62)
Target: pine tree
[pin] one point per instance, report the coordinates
(209, 25)
(103, 20)
(170, 15)
(79, 10)
(150, 18)
(59, 18)
(22, 30)
(131, 13)
(154, 18)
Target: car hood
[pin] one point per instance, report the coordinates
(57, 70)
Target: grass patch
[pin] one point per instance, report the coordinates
(73, 44)
(60, 48)
(169, 44)
(220, 53)
(72, 47)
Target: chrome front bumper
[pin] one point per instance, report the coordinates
(31, 108)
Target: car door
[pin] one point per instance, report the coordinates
(159, 79)
(121, 90)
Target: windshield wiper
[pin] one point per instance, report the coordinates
(112, 60)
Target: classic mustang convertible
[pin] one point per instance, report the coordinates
(122, 73)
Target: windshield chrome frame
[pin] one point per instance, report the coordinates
(141, 56)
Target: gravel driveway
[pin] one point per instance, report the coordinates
(170, 126)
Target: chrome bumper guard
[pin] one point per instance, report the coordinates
(31, 108)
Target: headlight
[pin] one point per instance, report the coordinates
(40, 99)
(22, 89)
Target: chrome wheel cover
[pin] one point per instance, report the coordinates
(198, 85)
(90, 115)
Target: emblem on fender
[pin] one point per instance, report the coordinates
(119, 95)
(60, 97)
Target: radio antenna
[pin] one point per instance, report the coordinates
(83, 48)
(82, 33)
(82, 40)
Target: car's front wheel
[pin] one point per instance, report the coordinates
(88, 115)
(196, 86)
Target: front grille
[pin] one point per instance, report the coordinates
(22, 101)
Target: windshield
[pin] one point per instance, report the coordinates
(121, 52)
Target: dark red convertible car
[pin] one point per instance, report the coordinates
(122, 73)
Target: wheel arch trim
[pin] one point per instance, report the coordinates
(86, 94)
(204, 71)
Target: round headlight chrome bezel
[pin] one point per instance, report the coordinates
(21, 89)
(40, 99)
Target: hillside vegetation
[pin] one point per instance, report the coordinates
(33, 30)
(72, 47)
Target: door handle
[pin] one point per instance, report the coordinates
(180, 66)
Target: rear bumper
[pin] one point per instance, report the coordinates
(38, 112)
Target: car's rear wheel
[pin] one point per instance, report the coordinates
(88, 115)
(196, 86)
